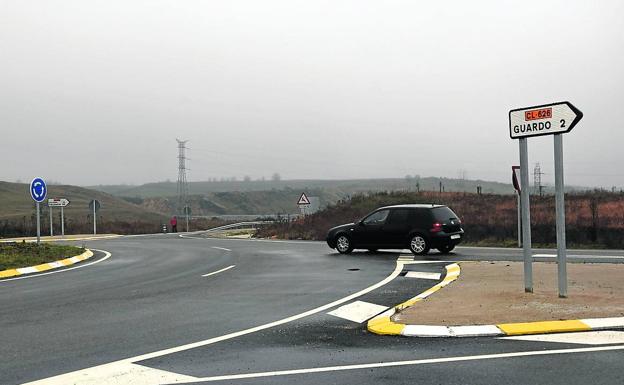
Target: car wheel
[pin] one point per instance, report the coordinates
(419, 245)
(446, 249)
(343, 244)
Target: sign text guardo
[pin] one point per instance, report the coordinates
(548, 119)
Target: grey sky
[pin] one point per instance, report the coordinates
(97, 91)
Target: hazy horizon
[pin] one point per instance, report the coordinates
(97, 92)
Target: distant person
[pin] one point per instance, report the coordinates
(174, 224)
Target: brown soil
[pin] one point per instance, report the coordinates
(493, 292)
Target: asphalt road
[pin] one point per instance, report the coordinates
(166, 309)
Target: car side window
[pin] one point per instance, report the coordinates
(377, 218)
(398, 217)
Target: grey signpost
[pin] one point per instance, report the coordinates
(187, 214)
(516, 184)
(525, 216)
(51, 224)
(548, 119)
(38, 192)
(94, 205)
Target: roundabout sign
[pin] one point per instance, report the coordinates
(38, 192)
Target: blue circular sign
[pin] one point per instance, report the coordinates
(38, 190)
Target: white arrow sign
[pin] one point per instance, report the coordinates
(56, 202)
(547, 119)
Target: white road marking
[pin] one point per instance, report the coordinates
(408, 363)
(220, 248)
(423, 275)
(603, 337)
(106, 256)
(126, 372)
(218, 271)
(358, 311)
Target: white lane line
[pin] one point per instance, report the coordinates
(408, 363)
(126, 372)
(358, 311)
(580, 256)
(220, 248)
(604, 337)
(423, 275)
(218, 271)
(106, 256)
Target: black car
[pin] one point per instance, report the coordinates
(419, 227)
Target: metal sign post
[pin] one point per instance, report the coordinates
(94, 205)
(516, 184)
(187, 214)
(38, 225)
(548, 119)
(94, 221)
(562, 273)
(62, 224)
(525, 217)
(38, 192)
(51, 225)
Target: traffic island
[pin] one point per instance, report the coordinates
(489, 300)
(27, 258)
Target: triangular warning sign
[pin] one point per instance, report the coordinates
(303, 200)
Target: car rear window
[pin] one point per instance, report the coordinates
(443, 213)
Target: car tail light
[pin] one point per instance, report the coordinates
(437, 227)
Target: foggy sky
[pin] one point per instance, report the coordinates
(95, 92)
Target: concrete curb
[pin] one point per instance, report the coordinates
(383, 324)
(46, 266)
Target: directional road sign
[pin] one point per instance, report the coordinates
(303, 200)
(547, 119)
(58, 202)
(38, 190)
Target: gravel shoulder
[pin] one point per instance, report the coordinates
(493, 292)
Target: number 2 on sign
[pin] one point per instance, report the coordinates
(562, 121)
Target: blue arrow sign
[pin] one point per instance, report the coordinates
(38, 190)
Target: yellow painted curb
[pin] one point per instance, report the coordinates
(515, 329)
(46, 266)
(383, 324)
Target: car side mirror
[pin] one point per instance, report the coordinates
(361, 223)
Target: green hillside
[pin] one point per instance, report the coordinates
(338, 188)
(17, 212)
